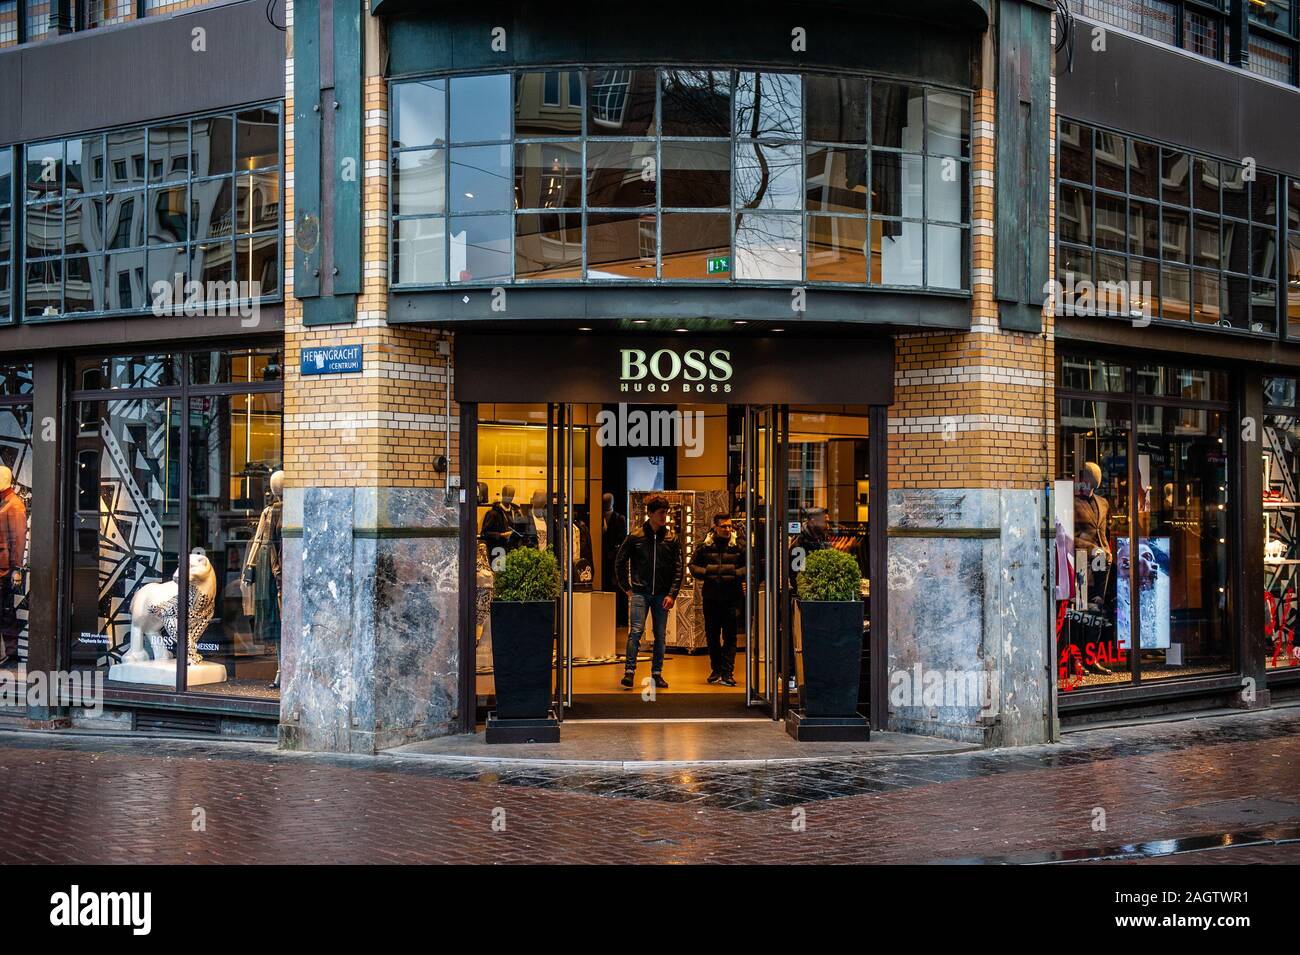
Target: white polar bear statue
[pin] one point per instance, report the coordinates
(154, 608)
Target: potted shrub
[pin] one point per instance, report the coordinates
(830, 604)
(523, 633)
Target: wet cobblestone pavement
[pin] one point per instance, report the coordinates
(1214, 790)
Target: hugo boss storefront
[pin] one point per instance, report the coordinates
(564, 439)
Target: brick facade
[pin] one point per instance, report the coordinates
(974, 409)
(385, 426)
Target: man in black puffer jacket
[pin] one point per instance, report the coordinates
(720, 563)
(648, 567)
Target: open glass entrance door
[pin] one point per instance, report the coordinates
(560, 467)
(762, 538)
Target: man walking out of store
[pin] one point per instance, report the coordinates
(720, 563)
(648, 567)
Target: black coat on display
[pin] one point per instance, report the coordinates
(649, 563)
(722, 568)
(497, 521)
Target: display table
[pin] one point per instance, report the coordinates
(163, 673)
(595, 634)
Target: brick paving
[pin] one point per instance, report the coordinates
(109, 800)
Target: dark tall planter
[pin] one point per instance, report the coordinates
(832, 656)
(523, 636)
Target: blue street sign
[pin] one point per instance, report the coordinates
(331, 360)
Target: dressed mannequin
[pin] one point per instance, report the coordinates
(537, 512)
(259, 584)
(13, 547)
(502, 523)
(1093, 555)
(154, 610)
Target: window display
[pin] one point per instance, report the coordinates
(138, 499)
(15, 509)
(1281, 483)
(1142, 452)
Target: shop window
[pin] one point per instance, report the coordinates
(134, 492)
(15, 510)
(1281, 483)
(235, 490)
(109, 216)
(1148, 598)
(644, 155)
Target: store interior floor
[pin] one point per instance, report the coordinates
(597, 693)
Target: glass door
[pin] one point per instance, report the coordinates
(762, 538)
(559, 519)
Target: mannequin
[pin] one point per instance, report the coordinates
(13, 547)
(154, 610)
(1092, 516)
(1093, 554)
(502, 523)
(259, 584)
(537, 510)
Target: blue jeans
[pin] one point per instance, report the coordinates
(636, 626)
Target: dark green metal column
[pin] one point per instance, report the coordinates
(1023, 154)
(329, 164)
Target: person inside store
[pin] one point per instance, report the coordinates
(648, 568)
(613, 528)
(813, 536)
(720, 563)
(13, 544)
(501, 523)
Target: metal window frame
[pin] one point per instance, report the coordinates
(1160, 202)
(146, 189)
(181, 394)
(1133, 400)
(584, 138)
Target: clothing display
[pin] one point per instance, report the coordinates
(13, 547)
(503, 526)
(260, 582)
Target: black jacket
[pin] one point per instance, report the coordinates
(721, 567)
(499, 519)
(649, 563)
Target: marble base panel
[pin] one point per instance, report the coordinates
(369, 643)
(968, 621)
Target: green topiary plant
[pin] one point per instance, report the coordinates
(830, 575)
(527, 574)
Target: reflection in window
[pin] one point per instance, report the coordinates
(1178, 224)
(641, 155)
(185, 198)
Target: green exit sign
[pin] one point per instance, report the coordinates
(718, 265)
